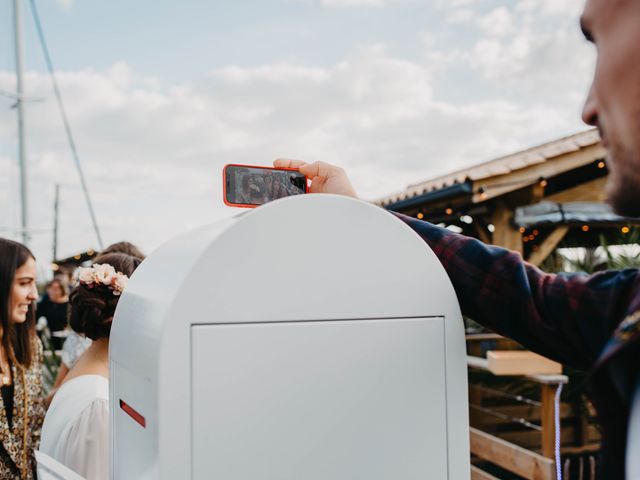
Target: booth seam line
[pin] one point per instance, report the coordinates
(364, 319)
(191, 460)
(446, 390)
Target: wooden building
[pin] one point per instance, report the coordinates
(489, 200)
(66, 266)
(532, 202)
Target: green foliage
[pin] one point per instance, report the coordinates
(590, 260)
(619, 258)
(622, 252)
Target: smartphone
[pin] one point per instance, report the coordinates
(250, 186)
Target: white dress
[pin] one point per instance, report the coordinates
(76, 428)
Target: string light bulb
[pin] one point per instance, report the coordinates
(522, 229)
(420, 216)
(543, 182)
(449, 211)
(625, 229)
(585, 228)
(601, 164)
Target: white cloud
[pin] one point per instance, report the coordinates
(344, 4)
(536, 60)
(66, 4)
(153, 152)
(532, 49)
(460, 16)
(353, 3)
(566, 8)
(457, 3)
(498, 22)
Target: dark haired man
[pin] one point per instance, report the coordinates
(589, 322)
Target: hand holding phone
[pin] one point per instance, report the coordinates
(250, 186)
(324, 177)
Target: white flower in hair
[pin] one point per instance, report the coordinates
(104, 273)
(119, 283)
(84, 275)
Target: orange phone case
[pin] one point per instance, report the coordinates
(244, 205)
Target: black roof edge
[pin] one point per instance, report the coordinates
(434, 196)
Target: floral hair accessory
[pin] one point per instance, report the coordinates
(101, 274)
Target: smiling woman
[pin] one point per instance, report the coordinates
(21, 399)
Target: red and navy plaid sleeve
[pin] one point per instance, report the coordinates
(567, 317)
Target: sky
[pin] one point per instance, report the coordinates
(161, 95)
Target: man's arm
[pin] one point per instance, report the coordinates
(567, 317)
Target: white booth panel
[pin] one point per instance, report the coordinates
(317, 400)
(134, 425)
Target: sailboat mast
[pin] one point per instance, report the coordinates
(20, 110)
(56, 203)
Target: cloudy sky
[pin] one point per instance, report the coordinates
(160, 95)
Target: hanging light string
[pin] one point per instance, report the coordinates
(541, 181)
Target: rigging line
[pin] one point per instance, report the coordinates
(12, 96)
(67, 126)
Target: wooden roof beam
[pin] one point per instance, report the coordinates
(548, 245)
(593, 191)
(502, 184)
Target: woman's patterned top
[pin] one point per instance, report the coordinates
(17, 457)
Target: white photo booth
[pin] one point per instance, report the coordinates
(316, 337)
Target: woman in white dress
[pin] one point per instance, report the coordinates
(75, 345)
(76, 427)
(72, 348)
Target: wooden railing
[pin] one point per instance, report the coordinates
(510, 456)
(526, 463)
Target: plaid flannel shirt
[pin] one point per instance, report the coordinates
(591, 322)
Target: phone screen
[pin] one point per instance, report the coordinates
(253, 186)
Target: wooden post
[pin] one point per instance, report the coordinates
(547, 419)
(504, 234)
(475, 398)
(548, 245)
(483, 235)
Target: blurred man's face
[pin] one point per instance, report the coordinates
(613, 103)
(55, 291)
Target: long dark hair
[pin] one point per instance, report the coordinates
(16, 338)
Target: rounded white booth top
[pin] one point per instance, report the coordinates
(316, 337)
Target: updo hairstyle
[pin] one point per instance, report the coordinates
(91, 309)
